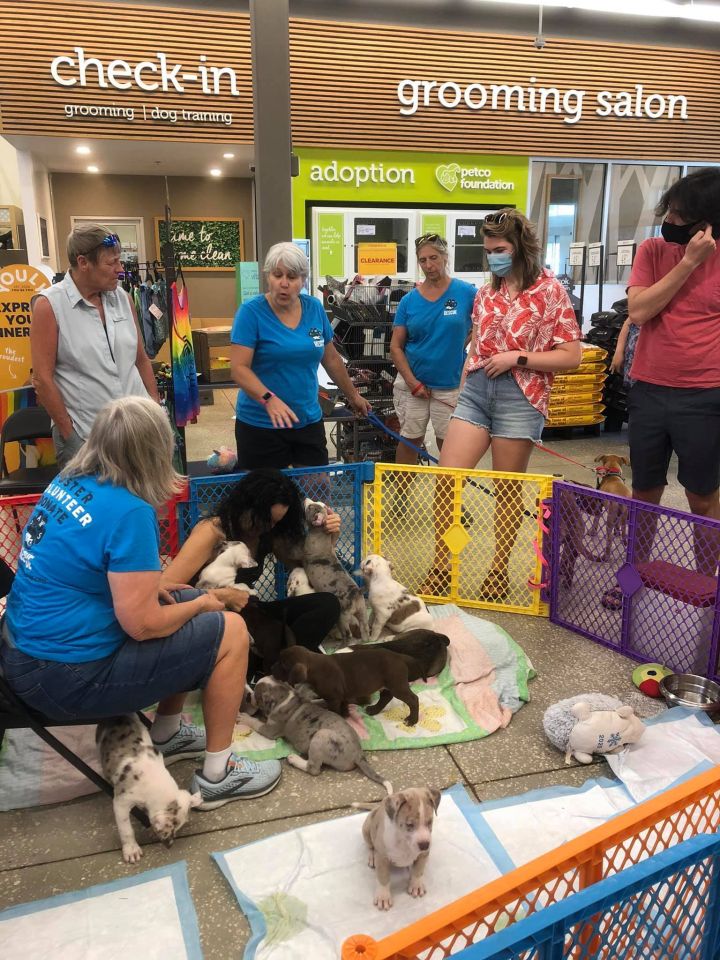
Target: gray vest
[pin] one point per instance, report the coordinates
(92, 367)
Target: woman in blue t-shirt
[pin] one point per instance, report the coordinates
(92, 632)
(279, 339)
(430, 332)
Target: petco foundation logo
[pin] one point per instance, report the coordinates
(359, 174)
(452, 175)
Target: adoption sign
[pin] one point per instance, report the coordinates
(18, 285)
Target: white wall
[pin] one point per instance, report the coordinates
(9, 179)
(35, 192)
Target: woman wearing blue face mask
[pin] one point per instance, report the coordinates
(524, 330)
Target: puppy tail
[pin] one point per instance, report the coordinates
(364, 767)
(363, 806)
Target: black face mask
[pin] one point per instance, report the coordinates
(677, 232)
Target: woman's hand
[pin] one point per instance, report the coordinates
(166, 590)
(332, 523)
(500, 363)
(231, 598)
(212, 603)
(618, 362)
(422, 393)
(360, 405)
(280, 413)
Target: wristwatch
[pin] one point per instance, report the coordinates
(521, 360)
(267, 397)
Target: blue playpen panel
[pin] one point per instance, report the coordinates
(665, 908)
(339, 485)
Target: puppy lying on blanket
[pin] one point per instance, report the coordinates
(427, 651)
(321, 736)
(223, 569)
(326, 574)
(351, 678)
(398, 833)
(139, 778)
(393, 605)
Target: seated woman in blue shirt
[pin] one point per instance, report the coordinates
(279, 339)
(430, 332)
(91, 632)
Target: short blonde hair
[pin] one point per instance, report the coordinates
(290, 256)
(131, 445)
(87, 240)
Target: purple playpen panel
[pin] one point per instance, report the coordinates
(667, 607)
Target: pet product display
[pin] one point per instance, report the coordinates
(605, 327)
(576, 397)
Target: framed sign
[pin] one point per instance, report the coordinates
(202, 243)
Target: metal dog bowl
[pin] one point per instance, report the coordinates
(689, 690)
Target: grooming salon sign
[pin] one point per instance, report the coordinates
(416, 95)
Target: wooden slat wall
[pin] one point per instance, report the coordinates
(34, 32)
(344, 80)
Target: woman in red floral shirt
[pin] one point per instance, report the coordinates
(524, 330)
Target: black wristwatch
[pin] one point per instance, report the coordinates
(266, 397)
(521, 361)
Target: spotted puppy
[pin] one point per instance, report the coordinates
(398, 834)
(137, 773)
(298, 584)
(393, 606)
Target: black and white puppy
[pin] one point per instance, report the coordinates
(137, 773)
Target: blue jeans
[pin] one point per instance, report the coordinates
(499, 406)
(136, 675)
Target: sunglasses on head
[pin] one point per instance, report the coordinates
(495, 219)
(430, 238)
(111, 240)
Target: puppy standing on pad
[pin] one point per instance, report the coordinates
(393, 605)
(137, 773)
(398, 833)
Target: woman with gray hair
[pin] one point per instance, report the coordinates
(278, 341)
(89, 630)
(84, 340)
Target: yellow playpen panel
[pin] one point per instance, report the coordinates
(479, 522)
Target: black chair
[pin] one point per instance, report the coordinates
(15, 715)
(30, 423)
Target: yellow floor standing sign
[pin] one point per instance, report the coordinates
(18, 285)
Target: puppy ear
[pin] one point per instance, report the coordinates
(599, 459)
(624, 461)
(435, 797)
(393, 805)
(195, 799)
(298, 674)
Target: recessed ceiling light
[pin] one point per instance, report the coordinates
(83, 150)
(228, 156)
(93, 169)
(216, 172)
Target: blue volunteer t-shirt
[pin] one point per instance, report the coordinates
(436, 333)
(285, 360)
(60, 606)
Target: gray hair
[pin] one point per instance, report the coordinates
(86, 240)
(290, 256)
(131, 445)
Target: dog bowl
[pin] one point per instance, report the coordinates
(688, 690)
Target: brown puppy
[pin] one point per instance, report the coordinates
(427, 651)
(345, 678)
(268, 636)
(610, 480)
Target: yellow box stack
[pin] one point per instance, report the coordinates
(576, 396)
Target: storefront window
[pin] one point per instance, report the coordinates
(383, 230)
(468, 246)
(635, 189)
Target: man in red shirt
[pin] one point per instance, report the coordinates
(674, 296)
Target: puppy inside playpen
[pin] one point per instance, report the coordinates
(610, 480)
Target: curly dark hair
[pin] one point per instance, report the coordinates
(695, 198)
(246, 509)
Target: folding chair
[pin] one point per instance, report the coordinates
(30, 423)
(15, 715)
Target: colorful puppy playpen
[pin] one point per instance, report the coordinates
(637, 578)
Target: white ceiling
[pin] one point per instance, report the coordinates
(140, 157)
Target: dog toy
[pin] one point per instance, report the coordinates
(647, 678)
(222, 460)
(591, 723)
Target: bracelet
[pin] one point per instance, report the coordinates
(417, 389)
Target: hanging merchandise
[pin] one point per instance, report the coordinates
(185, 386)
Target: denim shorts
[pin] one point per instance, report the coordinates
(136, 675)
(499, 406)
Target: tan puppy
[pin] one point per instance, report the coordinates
(610, 480)
(398, 833)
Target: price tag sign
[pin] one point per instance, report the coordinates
(577, 252)
(625, 253)
(594, 254)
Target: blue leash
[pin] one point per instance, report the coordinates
(424, 455)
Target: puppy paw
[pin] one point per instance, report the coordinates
(371, 859)
(383, 900)
(131, 853)
(417, 888)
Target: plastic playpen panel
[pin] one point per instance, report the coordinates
(339, 485)
(638, 578)
(631, 838)
(476, 509)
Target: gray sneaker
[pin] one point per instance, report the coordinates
(243, 780)
(187, 743)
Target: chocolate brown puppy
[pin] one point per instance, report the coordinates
(426, 650)
(345, 678)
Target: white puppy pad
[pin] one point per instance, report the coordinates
(149, 916)
(674, 745)
(305, 891)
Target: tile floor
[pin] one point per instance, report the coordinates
(51, 850)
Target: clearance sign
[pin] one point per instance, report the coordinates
(18, 285)
(377, 258)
